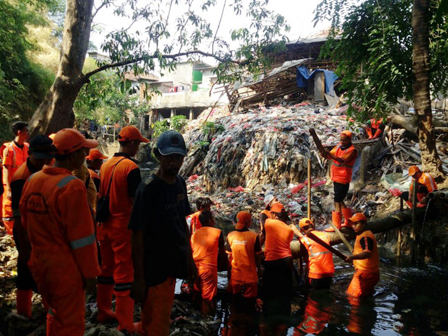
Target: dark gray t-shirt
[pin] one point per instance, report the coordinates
(160, 210)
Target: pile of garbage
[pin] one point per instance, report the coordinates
(262, 146)
(259, 152)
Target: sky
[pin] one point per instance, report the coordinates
(298, 13)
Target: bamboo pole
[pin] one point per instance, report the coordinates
(309, 188)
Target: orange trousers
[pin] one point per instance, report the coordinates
(207, 283)
(363, 283)
(116, 255)
(247, 290)
(62, 289)
(156, 310)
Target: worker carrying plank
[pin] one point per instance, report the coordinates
(343, 157)
(59, 223)
(320, 259)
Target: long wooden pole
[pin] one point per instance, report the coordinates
(309, 187)
(341, 235)
(324, 244)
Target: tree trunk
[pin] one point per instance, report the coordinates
(420, 60)
(56, 111)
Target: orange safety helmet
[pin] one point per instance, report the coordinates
(358, 217)
(413, 170)
(304, 222)
(277, 208)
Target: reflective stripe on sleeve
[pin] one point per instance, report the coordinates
(76, 244)
(63, 182)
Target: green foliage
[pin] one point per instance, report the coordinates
(107, 99)
(23, 84)
(178, 122)
(210, 128)
(373, 48)
(160, 126)
(175, 123)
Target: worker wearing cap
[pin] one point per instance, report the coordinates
(57, 218)
(425, 185)
(268, 201)
(365, 259)
(244, 250)
(40, 153)
(94, 162)
(13, 154)
(320, 260)
(120, 177)
(202, 204)
(161, 250)
(207, 244)
(343, 158)
(277, 277)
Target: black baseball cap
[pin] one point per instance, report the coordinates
(41, 147)
(171, 142)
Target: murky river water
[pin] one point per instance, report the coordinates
(407, 301)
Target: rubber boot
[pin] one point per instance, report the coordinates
(104, 302)
(124, 308)
(377, 133)
(24, 300)
(347, 213)
(8, 223)
(336, 218)
(369, 132)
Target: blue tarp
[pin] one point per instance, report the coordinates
(303, 75)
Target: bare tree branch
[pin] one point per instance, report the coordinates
(219, 24)
(139, 59)
(105, 2)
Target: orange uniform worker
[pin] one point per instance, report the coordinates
(277, 277)
(56, 215)
(269, 199)
(94, 161)
(244, 249)
(202, 204)
(425, 185)
(343, 158)
(374, 128)
(161, 250)
(14, 154)
(320, 260)
(207, 243)
(41, 153)
(365, 258)
(120, 178)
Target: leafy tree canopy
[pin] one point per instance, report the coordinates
(108, 100)
(156, 36)
(373, 45)
(23, 81)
